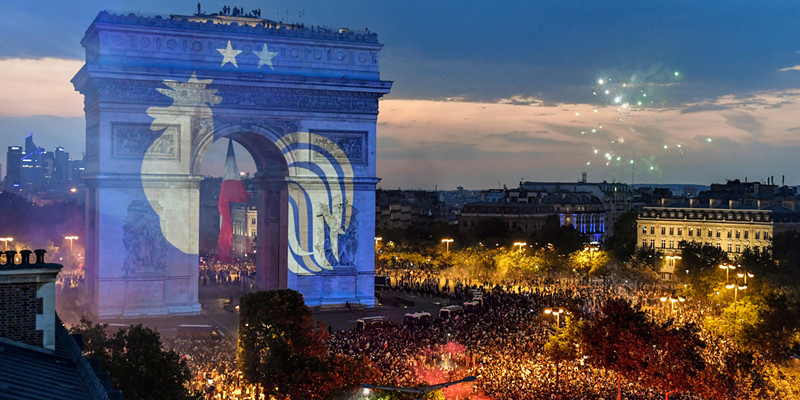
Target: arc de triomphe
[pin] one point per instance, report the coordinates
(302, 101)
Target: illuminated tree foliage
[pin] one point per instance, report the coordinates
(590, 262)
(139, 367)
(563, 345)
(282, 348)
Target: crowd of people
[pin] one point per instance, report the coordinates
(215, 273)
(502, 345)
(213, 366)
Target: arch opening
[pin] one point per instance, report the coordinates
(260, 225)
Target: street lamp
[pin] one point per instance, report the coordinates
(727, 269)
(6, 240)
(520, 245)
(447, 243)
(70, 238)
(744, 275)
(736, 288)
(557, 313)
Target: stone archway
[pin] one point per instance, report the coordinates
(303, 102)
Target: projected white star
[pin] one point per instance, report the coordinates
(229, 55)
(265, 57)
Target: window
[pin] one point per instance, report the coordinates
(719, 233)
(710, 233)
(729, 233)
(738, 248)
(680, 231)
(663, 230)
(746, 234)
(738, 234)
(766, 235)
(644, 242)
(691, 231)
(730, 247)
(644, 229)
(758, 235)
(663, 244)
(671, 244)
(719, 246)
(671, 230)
(253, 221)
(652, 243)
(652, 230)
(756, 248)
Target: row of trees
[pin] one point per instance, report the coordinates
(672, 358)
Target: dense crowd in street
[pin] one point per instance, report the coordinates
(503, 345)
(214, 371)
(215, 273)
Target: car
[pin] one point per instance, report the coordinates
(417, 318)
(370, 323)
(199, 331)
(450, 311)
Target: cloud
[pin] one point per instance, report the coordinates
(795, 68)
(39, 87)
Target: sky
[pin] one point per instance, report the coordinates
(487, 94)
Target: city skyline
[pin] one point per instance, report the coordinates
(689, 93)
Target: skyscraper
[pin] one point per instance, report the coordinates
(13, 163)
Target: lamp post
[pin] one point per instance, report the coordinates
(70, 238)
(447, 242)
(744, 275)
(6, 240)
(736, 288)
(520, 245)
(557, 313)
(727, 269)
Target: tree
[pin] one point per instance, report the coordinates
(590, 261)
(617, 340)
(623, 339)
(702, 262)
(282, 348)
(563, 346)
(643, 266)
(138, 366)
(565, 238)
(622, 245)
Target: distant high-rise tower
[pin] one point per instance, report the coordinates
(32, 164)
(61, 170)
(13, 163)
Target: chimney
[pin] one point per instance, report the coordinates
(28, 300)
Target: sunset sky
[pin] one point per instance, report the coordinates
(490, 93)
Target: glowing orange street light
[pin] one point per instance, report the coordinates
(70, 238)
(6, 240)
(744, 275)
(736, 288)
(520, 245)
(727, 269)
(447, 242)
(557, 313)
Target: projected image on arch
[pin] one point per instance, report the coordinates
(301, 103)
